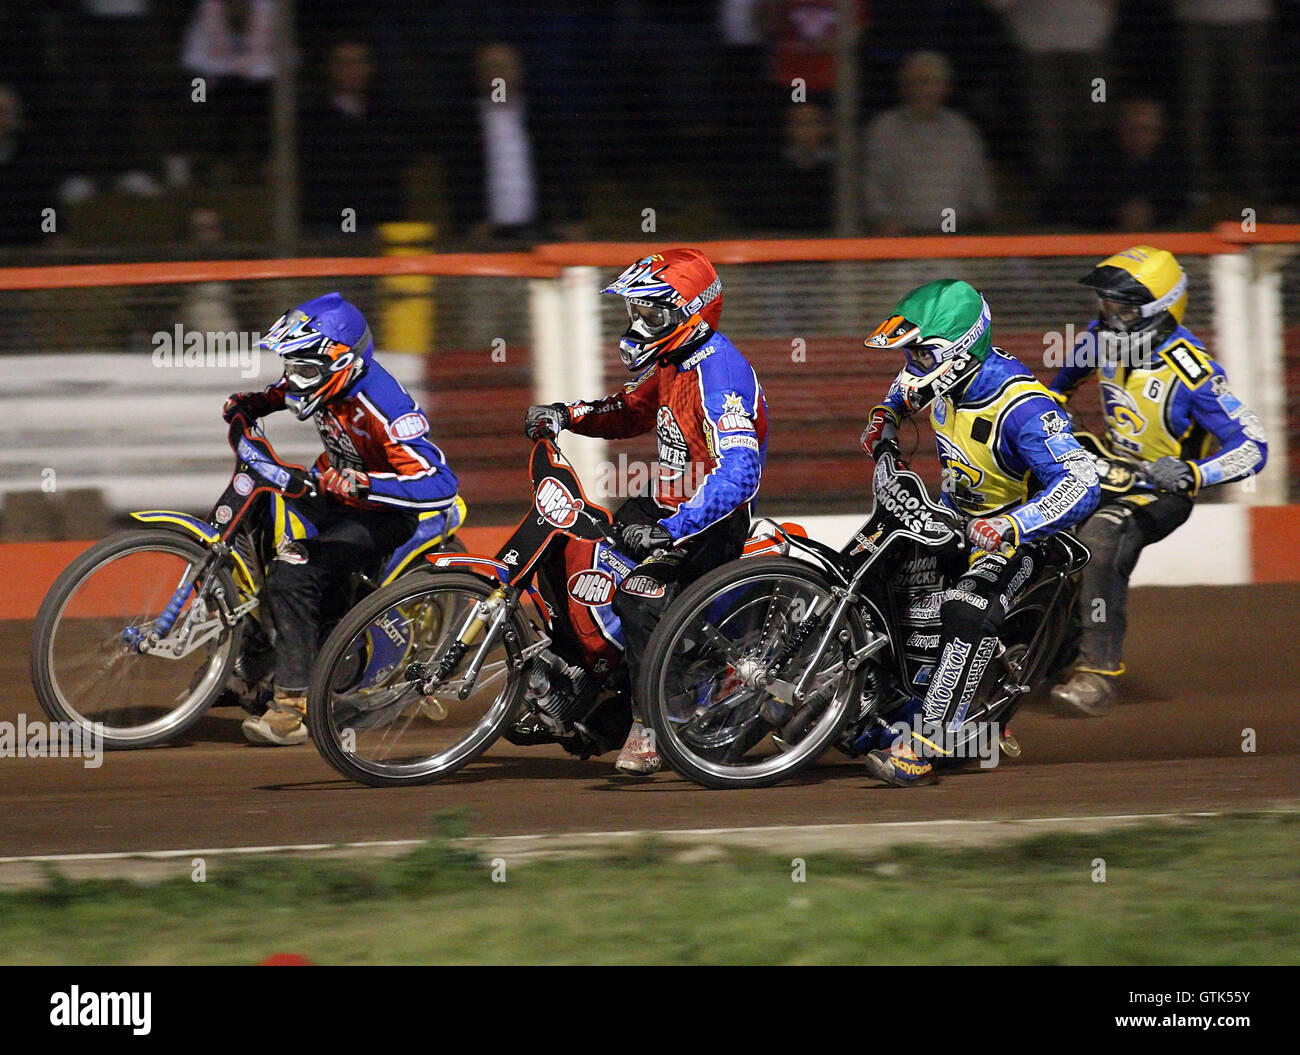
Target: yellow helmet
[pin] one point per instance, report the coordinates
(1140, 288)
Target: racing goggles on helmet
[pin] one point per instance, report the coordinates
(650, 316)
(303, 375)
(1120, 315)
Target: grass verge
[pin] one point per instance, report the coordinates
(1212, 891)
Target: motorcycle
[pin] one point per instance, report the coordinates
(424, 675)
(762, 665)
(150, 627)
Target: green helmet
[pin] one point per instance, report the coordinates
(943, 330)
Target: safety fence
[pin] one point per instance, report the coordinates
(115, 373)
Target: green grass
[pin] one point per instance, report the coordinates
(1214, 891)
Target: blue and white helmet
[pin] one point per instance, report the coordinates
(326, 345)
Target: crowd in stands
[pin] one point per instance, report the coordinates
(509, 121)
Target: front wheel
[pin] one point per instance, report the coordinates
(719, 679)
(98, 660)
(367, 710)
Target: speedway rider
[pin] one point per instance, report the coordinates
(1001, 437)
(381, 484)
(1165, 403)
(702, 399)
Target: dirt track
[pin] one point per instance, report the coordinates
(1205, 664)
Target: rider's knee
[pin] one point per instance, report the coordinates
(965, 611)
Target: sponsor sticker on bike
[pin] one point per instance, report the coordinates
(643, 586)
(243, 483)
(556, 505)
(592, 588)
(223, 514)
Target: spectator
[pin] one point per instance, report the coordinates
(1226, 39)
(231, 44)
(1063, 44)
(922, 158)
(113, 51)
(502, 169)
(1128, 179)
(24, 175)
(351, 146)
(795, 190)
(806, 40)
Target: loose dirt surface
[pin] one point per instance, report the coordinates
(1207, 665)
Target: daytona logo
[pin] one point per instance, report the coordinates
(592, 588)
(555, 504)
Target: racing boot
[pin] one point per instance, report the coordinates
(1086, 695)
(639, 757)
(900, 766)
(283, 725)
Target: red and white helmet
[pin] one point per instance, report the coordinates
(674, 300)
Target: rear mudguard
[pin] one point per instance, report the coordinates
(204, 532)
(432, 532)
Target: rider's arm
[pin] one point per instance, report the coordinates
(627, 413)
(1243, 449)
(414, 473)
(1040, 437)
(1078, 366)
(730, 409)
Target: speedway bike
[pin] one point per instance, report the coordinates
(424, 675)
(150, 627)
(761, 665)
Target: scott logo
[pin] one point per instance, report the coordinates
(592, 588)
(555, 504)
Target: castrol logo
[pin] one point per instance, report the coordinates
(555, 504)
(592, 588)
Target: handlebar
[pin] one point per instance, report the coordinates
(250, 445)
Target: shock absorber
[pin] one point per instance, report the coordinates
(469, 633)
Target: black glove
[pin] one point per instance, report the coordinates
(252, 405)
(548, 419)
(641, 540)
(1172, 474)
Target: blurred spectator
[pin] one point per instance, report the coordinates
(923, 158)
(25, 183)
(663, 55)
(805, 38)
(114, 54)
(351, 146)
(795, 191)
(745, 96)
(1127, 179)
(1227, 40)
(231, 44)
(1063, 43)
(504, 168)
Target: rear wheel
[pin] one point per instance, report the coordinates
(719, 677)
(367, 714)
(93, 660)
